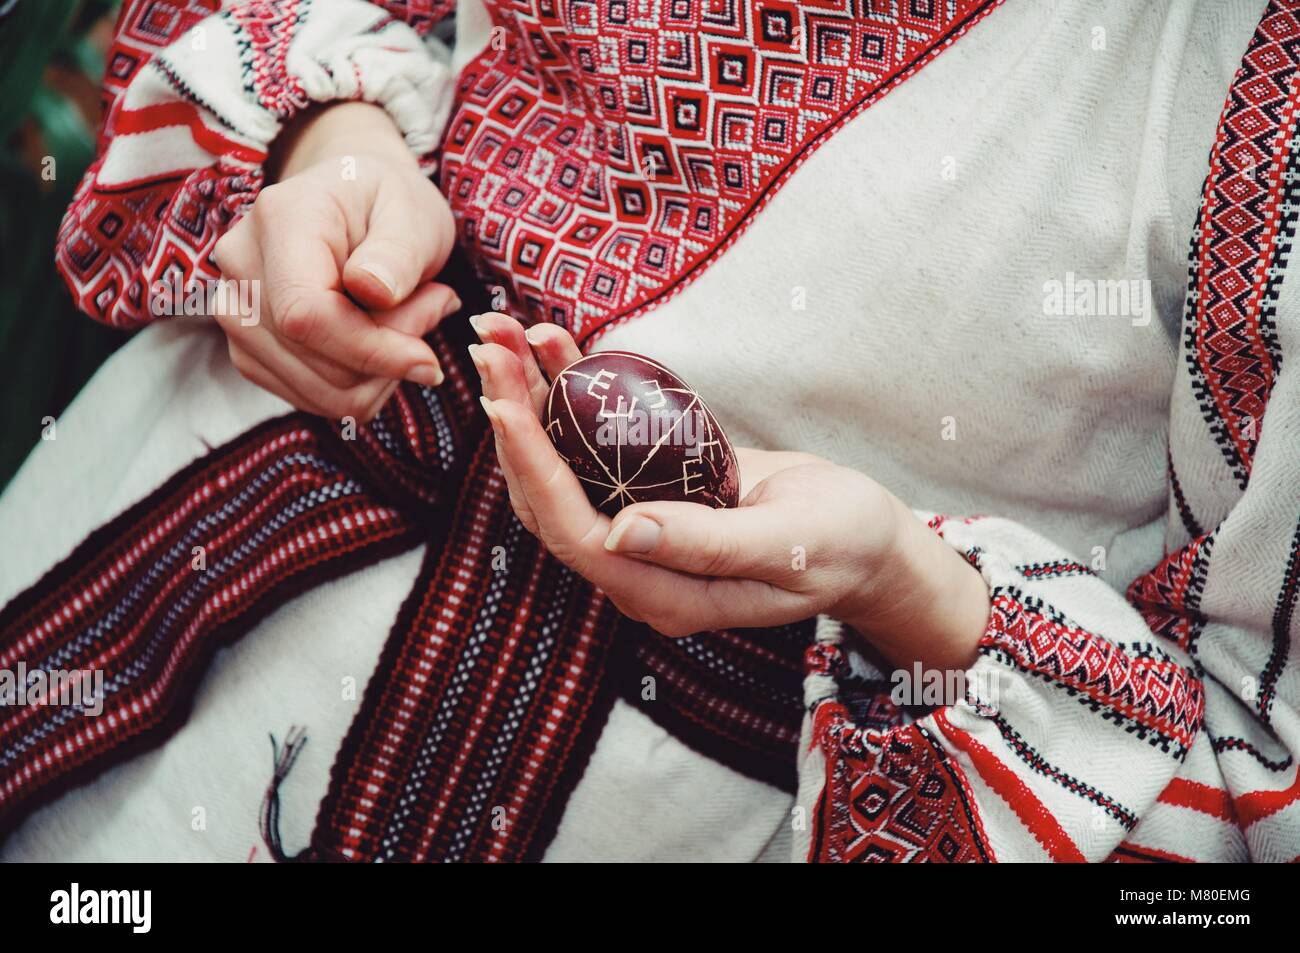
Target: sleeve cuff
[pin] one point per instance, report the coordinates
(223, 91)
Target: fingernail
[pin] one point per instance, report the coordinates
(476, 355)
(382, 275)
(498, 424)
(428, 375)
(636, 534)
(452, 306)
(533, 335)
(476, 322)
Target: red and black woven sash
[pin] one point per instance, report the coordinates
(492, 687)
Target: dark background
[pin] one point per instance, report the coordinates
(51, 61)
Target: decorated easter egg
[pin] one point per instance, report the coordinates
(633, 431)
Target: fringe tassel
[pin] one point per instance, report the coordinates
(283, 760)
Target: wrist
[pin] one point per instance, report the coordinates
(336, 130)
(920, 600)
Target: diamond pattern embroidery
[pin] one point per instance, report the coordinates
(608, 149)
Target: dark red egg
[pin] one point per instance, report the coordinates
(633, 431)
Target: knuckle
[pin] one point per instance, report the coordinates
(297, 320)
(592, 539)
(371, 359)
(574, 549)
(717, 605)
(718, 553)
(223, 250)
(270, 200)
(554, 478)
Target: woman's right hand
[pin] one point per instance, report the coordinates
(342, 249)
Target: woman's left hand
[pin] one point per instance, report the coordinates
(809, 537)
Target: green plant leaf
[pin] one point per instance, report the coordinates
(31, 35)
(67, 136)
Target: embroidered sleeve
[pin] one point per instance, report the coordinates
(1226, 591)
(1161, 725)
(195, 92)
(1051, 747)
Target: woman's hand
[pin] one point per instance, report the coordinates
(343, 247)
(809, 537)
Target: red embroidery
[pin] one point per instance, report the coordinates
(1235, 355)
(1157, 696)
(1169, 594)
(891, 796)
(269, 26)
(609, 151)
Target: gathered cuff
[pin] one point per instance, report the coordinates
(183, 150)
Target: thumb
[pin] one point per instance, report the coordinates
(398, 253)
(382, 272)
(690, 537)
(422, 311)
